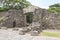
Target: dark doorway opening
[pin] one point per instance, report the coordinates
(14, 23)
(29, 17)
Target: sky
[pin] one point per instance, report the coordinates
(43, 3)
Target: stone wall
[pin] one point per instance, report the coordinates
(40, 16)
(19, 16)
(11, 16)
(54, 21)
(51, 20)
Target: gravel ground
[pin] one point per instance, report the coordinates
(14, 35)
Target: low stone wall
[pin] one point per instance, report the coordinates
(51, 21)
(11, 16)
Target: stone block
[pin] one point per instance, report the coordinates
(15, 29)
(34, 33)
(5, 28)
(21, 33)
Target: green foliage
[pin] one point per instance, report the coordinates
(54, 8)
(55, 5)
(3, 9)
(51, 10)
(14, 4)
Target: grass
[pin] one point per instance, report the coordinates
(50, 34)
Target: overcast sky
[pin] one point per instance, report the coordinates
(43, 3)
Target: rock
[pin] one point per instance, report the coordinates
(34, 33)
(15, 29)
(28, 29)
(21, 33)
(4, 28)
(25, 30)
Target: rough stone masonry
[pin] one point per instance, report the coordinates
(17, 18)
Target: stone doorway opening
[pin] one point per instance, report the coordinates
(29, 17)
(14, 24)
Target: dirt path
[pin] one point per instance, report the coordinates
(13, 35)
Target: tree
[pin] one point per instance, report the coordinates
(54, 8)
(15, 4)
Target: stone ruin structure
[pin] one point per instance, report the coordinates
(53, 21)
(17, 18)
(12, 18)
(50, 20)
(42, 19)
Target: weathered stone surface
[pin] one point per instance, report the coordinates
(40, 16)
(15, 29)
(10, 35)
(4, 28)
(11, 16)
(34, 33)
(21, 32)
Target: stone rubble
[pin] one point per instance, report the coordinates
(14, 35)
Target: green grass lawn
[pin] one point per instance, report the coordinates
(50, 34)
